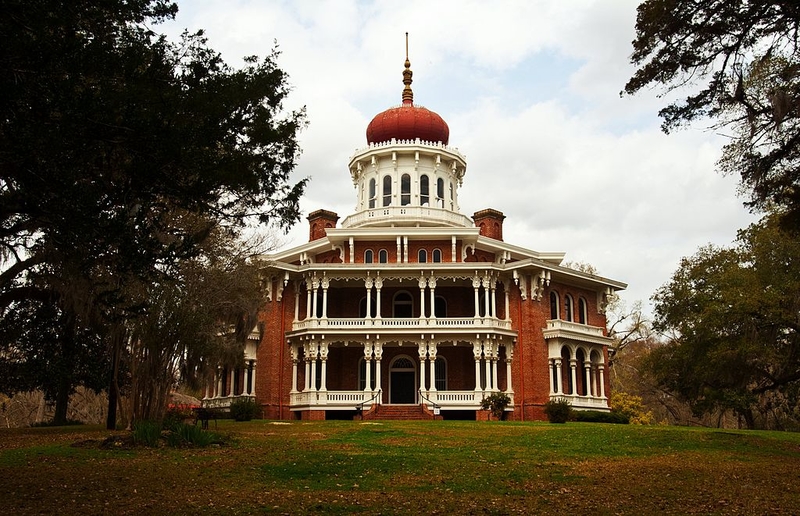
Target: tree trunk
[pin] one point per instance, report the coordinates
(113, 387)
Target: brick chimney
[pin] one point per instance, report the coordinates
(319, 221)
(491, 223)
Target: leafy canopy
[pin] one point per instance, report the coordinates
(740, 62)
(735, 316)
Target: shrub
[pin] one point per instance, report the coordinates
(631, 407)
(496, 403)
(244, 409)
(596, 416)
(192, 435)
(146, 433)
(558, 410)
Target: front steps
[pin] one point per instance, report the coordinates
(398, 413)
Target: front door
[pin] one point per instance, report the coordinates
(402, 381)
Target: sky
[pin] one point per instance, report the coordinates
(531, 92)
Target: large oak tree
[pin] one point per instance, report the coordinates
(739, 63)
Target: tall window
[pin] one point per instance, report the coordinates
(405, 190)
(437, 256)
(383, 256)
(422, 256)
(387, 190)
(554, 306)
(403, 305)
(568, 307)
(440, 193)
(583, 312)
(424, 191)
(372, 193)
(368, 256)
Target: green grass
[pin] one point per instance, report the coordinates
(456, 467)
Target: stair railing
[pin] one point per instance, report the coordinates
(430, 401)
(360, 406)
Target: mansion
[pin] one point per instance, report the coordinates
(409, 308)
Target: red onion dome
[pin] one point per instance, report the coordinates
(407, 121)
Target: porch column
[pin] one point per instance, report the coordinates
(476, 284)
(294, 352)
(506, 286)
(399, 250)
(378, 350)
(422, 283)
(495, 359)
(587, 366)
(559, 380)
(573, 366)
(325, 283)
(231, 383)
(432, 359)
(308, 301)
(308, 368)
(296, 300)
(486, 305)
(314, 297)
(368, 286)
(378, 285)
(323, 355)
(432, 287)
(422, 349)
(493, 296)
(487, 362)
(218, 389)
(602, 381)
(476, 351)
(314, 356)
(509, 359)
(367, 360)
(253, 377)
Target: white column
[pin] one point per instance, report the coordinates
(487, 362)
(367, 361)
(422, 283)
(422, 352)
(432, 286)
(308, 301)
(476, 351)
(602, 381)
(314, 355)
(559, 380)
(509, 388)
(399, 250)
(506, 286)
(495, 358)
(296, 301)
(294, 353)
(253, 377)
(432, 360)
(368, 286)
(405, 249)
(378, 285)
(323, 355)
(588, 382)
(453, 257)
(476, 283)
(314, 297)
(573, 366)
(493, 297)
(378, 349)
(486, 306)
(324, 284)
(231, 376)
(308, 370)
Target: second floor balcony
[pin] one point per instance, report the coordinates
(404, 323)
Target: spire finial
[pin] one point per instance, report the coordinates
(408, 95)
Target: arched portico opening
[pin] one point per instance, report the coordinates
(402, 381)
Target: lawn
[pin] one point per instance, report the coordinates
(431, 467)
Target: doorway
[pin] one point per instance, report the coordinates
(402, 382)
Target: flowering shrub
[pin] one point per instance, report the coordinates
(631, 406)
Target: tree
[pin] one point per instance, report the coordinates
(740, 62)
(735, 317)
(111, 137)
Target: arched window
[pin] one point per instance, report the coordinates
(566, 371)
(568, 312)
(383, 256)
(405, 190)
(437, 256)
(583, 312)
(403, 306)
(373, 192)
(439, 306)
(387, 190)
(369, 256)
(422, 256)
(554, 306)
(362, 308)
(440, 193)
(580, 377)
(441, 373)
(424, 191)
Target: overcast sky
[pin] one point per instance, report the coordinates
(530, 90)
